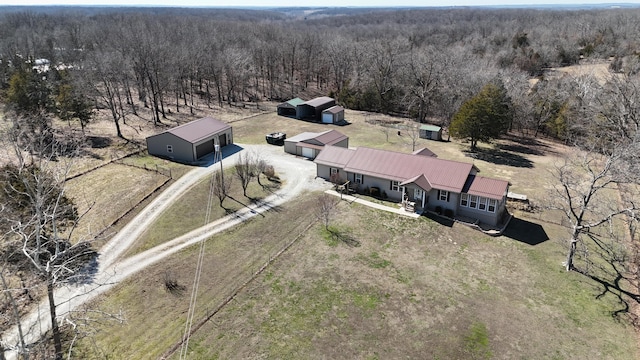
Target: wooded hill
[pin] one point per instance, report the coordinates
(420, 63)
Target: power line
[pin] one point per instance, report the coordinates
(196, 281)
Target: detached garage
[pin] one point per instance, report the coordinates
(191, 141)
(333, 115)
(309, 144)
(290, 108)
(312, 109)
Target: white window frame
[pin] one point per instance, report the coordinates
(395, 185)
(473, 201)
(444, 195)
(358, 178)
(492, 205)
(333, 171)
(482, 204)
(169, 148)
(464, 200)
(417, 193)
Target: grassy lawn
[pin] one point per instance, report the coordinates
(405, 288)
(109, 192)
(189, 211)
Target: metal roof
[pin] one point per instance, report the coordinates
(419, 180)
(319, 101)
(424, 152)
(302, 136)
(442, 174)
(198, 130)
(486, 187)
(430, 127)
(294, 102)
(425, 171)
(334, 109)
(329, 137)
(334, 156)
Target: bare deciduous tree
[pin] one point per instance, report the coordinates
(245, 171)
(41, 219)
(325, 209)
(220, 186)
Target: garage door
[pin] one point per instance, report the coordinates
(327, 118)
(204, 149)
(307, 152)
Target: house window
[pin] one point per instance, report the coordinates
(473, 202)
(464, 199)
(395, 186)
(482, 204)
(444, 195)
(334, 171)
(169, 148)
(417, 194)
(358, 179)
(492, 205)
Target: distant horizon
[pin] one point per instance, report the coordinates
(268, 4)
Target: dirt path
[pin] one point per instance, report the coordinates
(298, 175)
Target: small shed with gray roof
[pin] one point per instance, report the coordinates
(333, 115)
(191, 141)
(309, 144)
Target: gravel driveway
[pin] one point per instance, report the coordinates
(298, 175)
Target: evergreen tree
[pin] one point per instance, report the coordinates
(484, 117)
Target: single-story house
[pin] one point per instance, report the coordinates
(431, 132)
(191, 141)
(333, 115)
(312, 109)
(290, 108)
(309, 144)
(426, 182)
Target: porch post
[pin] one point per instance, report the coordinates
(423, 196)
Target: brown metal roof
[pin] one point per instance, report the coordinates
(424, 152)
(334, 109)
(334, 156)
(442, 174)
(319, 101)
(486, 187)
(329, 137)
(419, 180)
(310, 146)
(200, 129)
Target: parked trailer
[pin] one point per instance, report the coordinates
(276, 138)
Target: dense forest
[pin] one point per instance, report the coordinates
(443, 66)
(418, 63)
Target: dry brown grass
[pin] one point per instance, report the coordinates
(411, 289)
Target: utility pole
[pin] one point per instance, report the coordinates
(217, 156)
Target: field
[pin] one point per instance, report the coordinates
(408, 289)
(392, 288)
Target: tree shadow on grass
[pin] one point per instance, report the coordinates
(526, 232)
(612, 277)
(342, 236)
(499, 157)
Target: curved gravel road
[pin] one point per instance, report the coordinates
(298, 175)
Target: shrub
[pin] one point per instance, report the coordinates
(448, 213)
(439, 210)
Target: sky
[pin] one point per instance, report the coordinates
(302, 3)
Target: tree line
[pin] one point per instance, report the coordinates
(419, 63)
